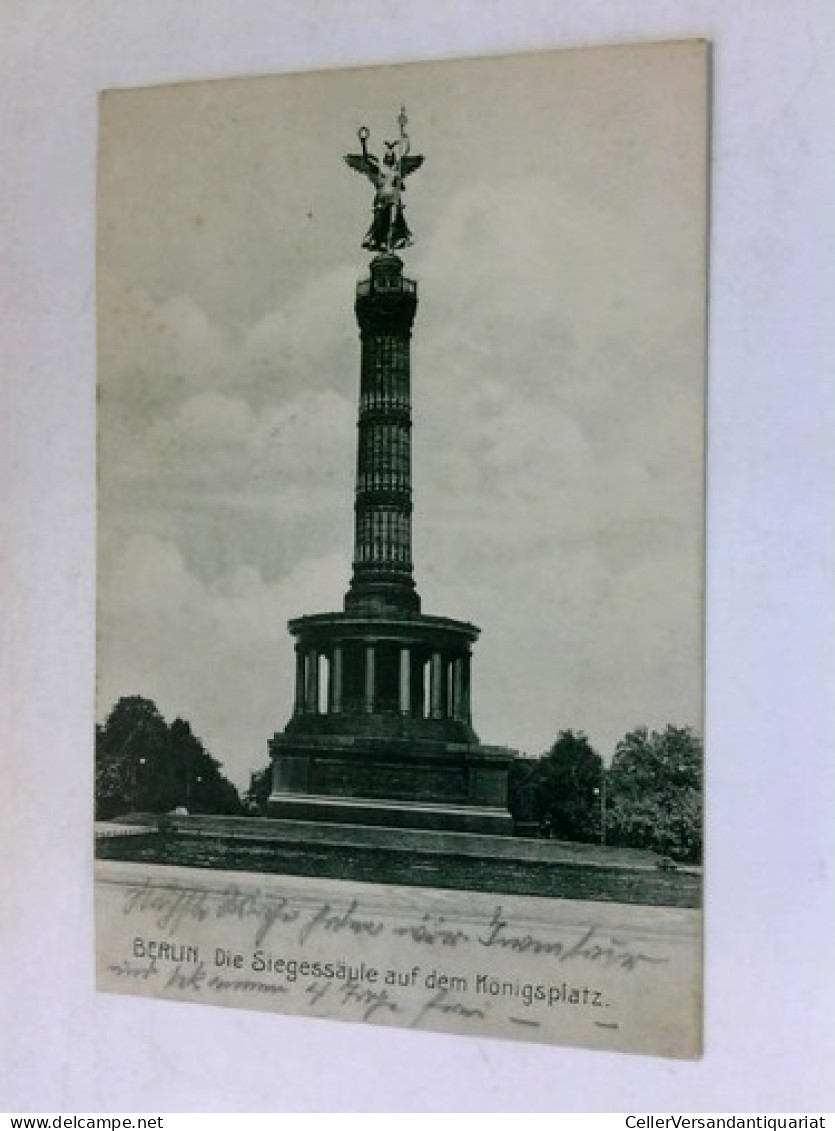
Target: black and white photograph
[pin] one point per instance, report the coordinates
(401, 544)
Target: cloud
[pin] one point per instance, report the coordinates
(230, 484)
(309, 342)
(215, 653)
(218, 442)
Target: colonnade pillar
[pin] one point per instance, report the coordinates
(369, 679)
(449, 682)
(457, 688)
(312, 682)
(460, 683)
(436, 686)
(300, 700)
(335, 689)
(405, 682)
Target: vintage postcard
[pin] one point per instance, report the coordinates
(401, 388)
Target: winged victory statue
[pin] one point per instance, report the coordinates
(389, 230)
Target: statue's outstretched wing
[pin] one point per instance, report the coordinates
(409, 165)
(364, 163)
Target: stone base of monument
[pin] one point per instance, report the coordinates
(380, 780)
(367, 811)
(408, 857)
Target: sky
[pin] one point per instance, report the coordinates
(558, 384)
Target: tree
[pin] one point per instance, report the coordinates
(521, 789)
(144, 765)
(568, 781)
(654, 790)
(201, 786)
(130, 748)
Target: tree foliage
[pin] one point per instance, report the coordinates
(145, 765)
(650, 797)
(567, 795)
(521, 789)
(654, 789)
(560, 792)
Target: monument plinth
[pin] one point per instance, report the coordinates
(381, 731)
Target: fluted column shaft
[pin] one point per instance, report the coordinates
(382, 577)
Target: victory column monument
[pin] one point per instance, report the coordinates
(381, 730)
